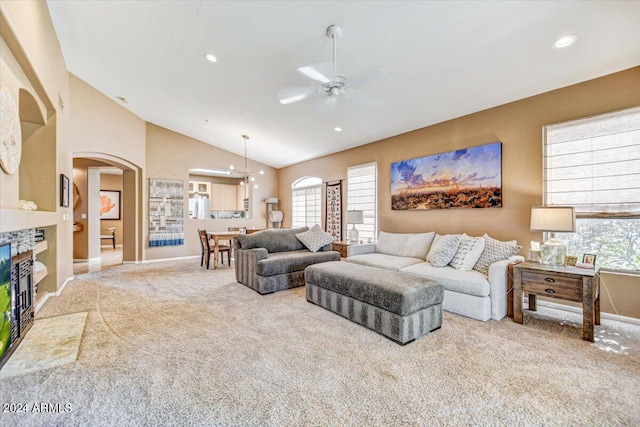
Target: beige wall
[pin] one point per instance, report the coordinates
(170, 155)
(102, 129)
(81, 238)
(517, 125)
(31, 55)
(101, 125)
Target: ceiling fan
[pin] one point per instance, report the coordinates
(333, 85)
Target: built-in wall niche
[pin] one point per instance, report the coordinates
(37, 171)
(218, 197)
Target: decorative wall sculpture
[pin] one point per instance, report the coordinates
(166, 212)
(468, 178)
(334, 210)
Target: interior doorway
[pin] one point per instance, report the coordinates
(107, 220)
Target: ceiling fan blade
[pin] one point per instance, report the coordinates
(320, 72)
(366, 77)
(295, 94)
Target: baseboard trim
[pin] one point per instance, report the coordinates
(42, 301)
(53, 294)
(148, 261)
(572, 309)
(48, 295)
(98, 259)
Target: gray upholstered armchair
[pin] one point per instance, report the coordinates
(273, 260)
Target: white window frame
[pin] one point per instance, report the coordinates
(310, 189)
(368, 204)
(593, 164)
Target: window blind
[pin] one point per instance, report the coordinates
(306, 203)
(593, 164)
(362, 194)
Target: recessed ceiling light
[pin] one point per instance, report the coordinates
(210, 57)
(337, 129)
(231, 167)
(565, 41)
(261, 172)
(123, 99)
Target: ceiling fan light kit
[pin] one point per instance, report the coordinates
(333, 85)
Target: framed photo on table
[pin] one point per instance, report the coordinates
(571, 260)
(589, 259)
(109, 204)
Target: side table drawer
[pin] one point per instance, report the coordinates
(340, 248)
(552, 285)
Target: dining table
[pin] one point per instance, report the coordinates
(216, 237)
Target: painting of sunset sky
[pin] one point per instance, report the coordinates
(467, 178)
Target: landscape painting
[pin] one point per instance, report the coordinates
(5, 297)
(468, 178)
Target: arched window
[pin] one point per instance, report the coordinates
(306, 202)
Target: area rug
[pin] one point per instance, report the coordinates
(49, 343)
(173, 344)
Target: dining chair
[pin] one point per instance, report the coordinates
(208, 249)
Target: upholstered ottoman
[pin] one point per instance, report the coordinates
(397, 305)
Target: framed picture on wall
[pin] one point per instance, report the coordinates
(109, 204)
(65, 183)
(465, 178)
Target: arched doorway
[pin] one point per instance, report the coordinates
(130, 200)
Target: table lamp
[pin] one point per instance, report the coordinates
(354, 217)
(553, 219)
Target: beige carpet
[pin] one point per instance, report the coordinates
(172, 344)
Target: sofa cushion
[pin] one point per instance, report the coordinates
(273, 240)
(388, 262)
(443, 250)
(468, 253)
(466, 282)
(315, 238)
(290, 262)
(399, 293)
(413, 245)
(495, 250)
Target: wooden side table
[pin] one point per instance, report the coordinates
(568, 283)
(340, 246)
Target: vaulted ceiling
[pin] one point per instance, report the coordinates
(441, 60)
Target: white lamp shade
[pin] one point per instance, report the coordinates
(355, 217)
(553, 219)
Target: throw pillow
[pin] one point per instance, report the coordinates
(443, 250)
(315, 238)
(468, 253)
(495, 250)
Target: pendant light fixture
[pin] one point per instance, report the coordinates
(247, 177)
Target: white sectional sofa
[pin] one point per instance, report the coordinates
(475, 280)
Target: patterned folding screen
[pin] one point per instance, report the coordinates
(166, 212)
(334, 210)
